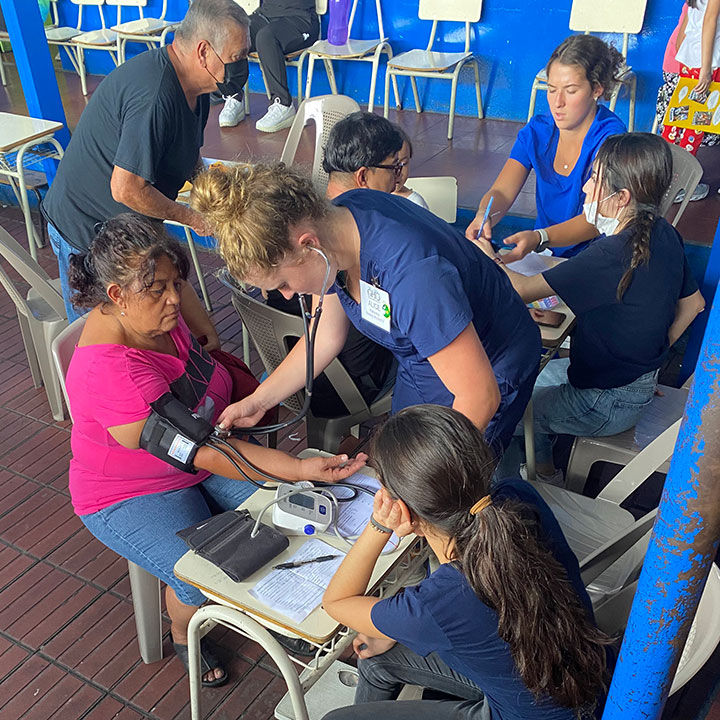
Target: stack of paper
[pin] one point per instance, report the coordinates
(296, 592)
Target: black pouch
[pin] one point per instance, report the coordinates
(225, 541)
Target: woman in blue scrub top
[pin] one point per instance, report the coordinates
(405, 278)
(560, 147)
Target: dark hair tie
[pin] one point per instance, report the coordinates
(88, 265)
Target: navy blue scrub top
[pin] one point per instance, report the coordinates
(438, 283)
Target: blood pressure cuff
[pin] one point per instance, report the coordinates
(174, 433)
(225, 541)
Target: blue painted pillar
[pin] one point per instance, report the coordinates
(708, 288)
(32, 57)
(682, 547)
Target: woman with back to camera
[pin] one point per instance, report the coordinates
(134, 348)
(632, 293)
(560, 147)
(504, 624)
(403, 277)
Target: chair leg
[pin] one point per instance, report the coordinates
(246, 97)
(47, 370)
(145, 589)
(299, 79)
(453, 96)
(614, 98)
(308, 82)
(331, 75)
(398, 104)
(386, 101)
(631, 110)
(478, 91)
(81, 69)
(533, 96)
(416, 96)
(373, 77)
(3, 77)
(198, 268)
(30, 351)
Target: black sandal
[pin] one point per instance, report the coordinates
(208, 662)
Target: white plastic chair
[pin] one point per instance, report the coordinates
(144, 587)
(440, 194)
(611, 16)
(623, 447)
(294, 59)
(354, 49)
(686, 175)
(325, 111)
(41, 315)
(101, 39)
(148, 30)
(590, 524)
(62, 35)
(434, 64)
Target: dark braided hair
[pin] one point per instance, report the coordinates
(125, 251)
(640, 163)
(438, 463)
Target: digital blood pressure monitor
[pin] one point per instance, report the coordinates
(301, 513)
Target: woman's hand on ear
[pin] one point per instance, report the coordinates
(393, 514)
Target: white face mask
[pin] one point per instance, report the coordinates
(605, 225)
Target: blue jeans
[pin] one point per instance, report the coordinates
(142, 529)
(560, 408)
(63, 250)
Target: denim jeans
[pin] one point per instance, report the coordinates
(559, 408)
(142, 529)
(63, 250)
(383, 676)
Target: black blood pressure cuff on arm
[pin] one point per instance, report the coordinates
(174, 433)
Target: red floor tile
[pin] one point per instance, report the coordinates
(78, 704)
(43, 704)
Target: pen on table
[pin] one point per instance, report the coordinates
(288, 565)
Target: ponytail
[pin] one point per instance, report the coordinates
(639, 242)
(438, 463)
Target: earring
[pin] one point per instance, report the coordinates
(122, 312)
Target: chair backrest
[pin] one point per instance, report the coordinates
(610, 16)
(139, 4)
(31, 272)
(440, 194)
(63, 347)
(270, 328)
(467, 11)
(378, 13)
(96, 3)
(686, 175)
(325, 111)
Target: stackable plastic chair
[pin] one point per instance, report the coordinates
(433, 64)
(611, 16)
(41, 315)
(269, 330)
(148, 30)
(144, 587)
(440, 194)
(662, 412)
(686, 175)
(363, 50)
(325, 111)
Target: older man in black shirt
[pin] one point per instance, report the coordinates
(139, 138)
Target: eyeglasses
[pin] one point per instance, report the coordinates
(397, 167)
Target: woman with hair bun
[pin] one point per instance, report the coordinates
(560, 147)
(134, 348)
(504, 624)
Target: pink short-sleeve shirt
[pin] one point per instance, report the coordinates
(110, 385)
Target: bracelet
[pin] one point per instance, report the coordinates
(544, 240)
(378, 527)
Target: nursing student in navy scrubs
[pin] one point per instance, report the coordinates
(560, 147)
(404, 277)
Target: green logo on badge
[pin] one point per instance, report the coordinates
(386, 310)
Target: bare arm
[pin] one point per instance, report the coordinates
(686, 311)
(709, 28)
(504, 190)
(289, 376)
(529, 288)
(274, 462)
(196, 317)
(570, 232)
(139, 195)
(465, 370)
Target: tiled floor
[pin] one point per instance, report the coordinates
(67, 639)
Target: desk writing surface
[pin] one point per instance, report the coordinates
(318, 626)
(15, 130)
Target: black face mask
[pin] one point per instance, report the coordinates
(236, 77)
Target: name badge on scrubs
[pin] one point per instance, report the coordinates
(375, 305)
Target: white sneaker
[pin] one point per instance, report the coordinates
(557, 478)
(278, 117)
(232, 113)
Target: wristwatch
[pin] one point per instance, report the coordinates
(544, 240)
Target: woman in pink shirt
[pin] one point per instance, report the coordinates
(134, 348)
